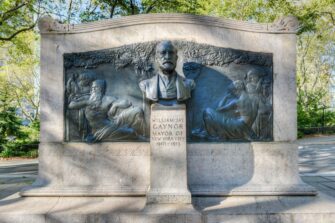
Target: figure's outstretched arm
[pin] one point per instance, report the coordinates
(121, 103)
(224, 101)
(78, 103)
(232, 104)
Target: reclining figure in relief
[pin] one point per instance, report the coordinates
(109, 118)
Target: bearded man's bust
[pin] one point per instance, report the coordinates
(167, 86)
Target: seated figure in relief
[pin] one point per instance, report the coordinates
(78, 86)
(109, 118)
(233, 118)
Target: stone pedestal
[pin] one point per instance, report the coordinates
(168, 161)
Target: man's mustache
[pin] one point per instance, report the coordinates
(168, 61)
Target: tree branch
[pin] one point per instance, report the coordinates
(331, 16)
(25, 113)
(151, 6)
(17, 32)
(113, 6)
(132, 6)
(11, 10)
(91, 12)
(69, 11)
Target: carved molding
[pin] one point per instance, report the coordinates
(289, 24)
(286, 24)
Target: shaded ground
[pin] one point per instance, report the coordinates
(16, 174)
(316, 164)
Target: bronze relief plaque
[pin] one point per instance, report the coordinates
(229, 97)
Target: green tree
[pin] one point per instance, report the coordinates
(20, 69)
(15, 139)
(76, 11)
(10, 123)
(18, 77)
(17, 16)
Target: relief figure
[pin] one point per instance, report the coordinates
(264, 117)
(242, 113)
(167, 87)
(78, 86)
(108, 117)
(232, 119)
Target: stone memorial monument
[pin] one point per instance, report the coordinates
(168, 118)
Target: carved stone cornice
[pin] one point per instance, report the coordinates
(285, 24)
(289, 24)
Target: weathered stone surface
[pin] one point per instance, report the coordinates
(80, 169)
(70, 169)
(217, 168)
(275, 171)
(245, 209)
(168, 160)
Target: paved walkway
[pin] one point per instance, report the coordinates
(16, 174)
(316, 164)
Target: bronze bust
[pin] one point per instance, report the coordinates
(167, 86)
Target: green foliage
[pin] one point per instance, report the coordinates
(314, 115)
(173, 6)
(15, 139)
(19, 149)
(18, 90)
(16, 16)
(21, 73)
(26, 145)
(9, 122)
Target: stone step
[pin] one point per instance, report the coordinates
(243, 209)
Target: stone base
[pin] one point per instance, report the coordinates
(171, 197)
(123, 169)
(81, 191)
(254, 190)
(274, 189)
(267, 209)
(243, 209)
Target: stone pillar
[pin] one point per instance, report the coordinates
(168, 162)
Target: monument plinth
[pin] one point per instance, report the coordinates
(168, 160)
